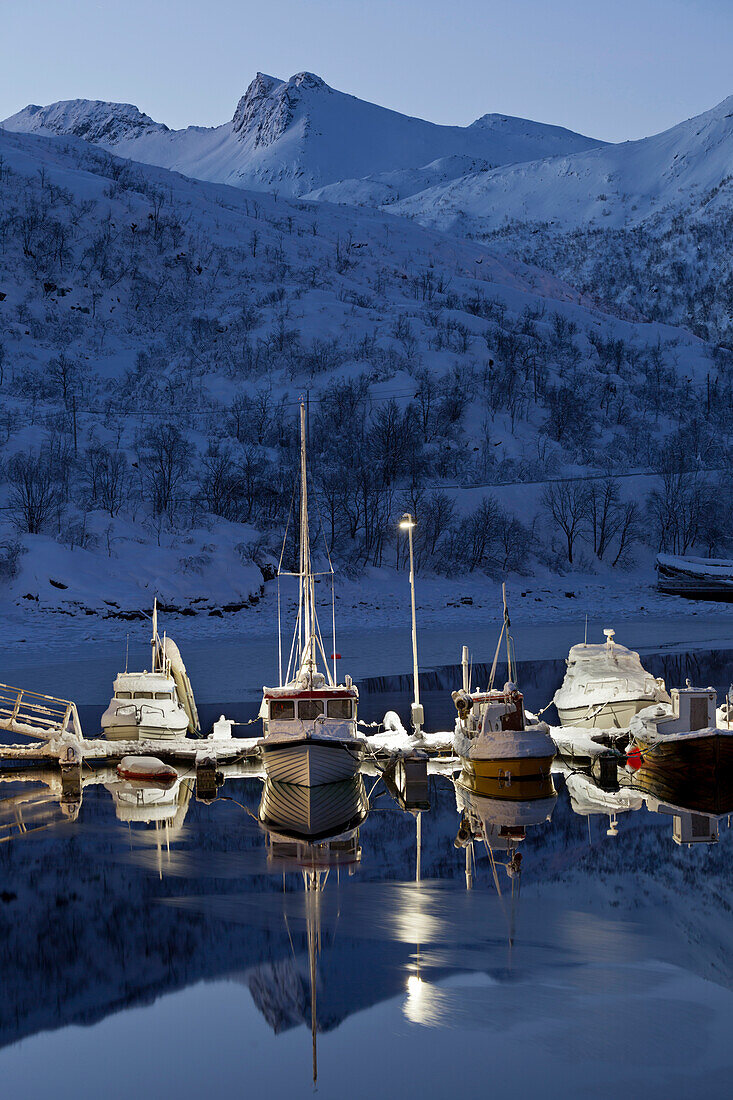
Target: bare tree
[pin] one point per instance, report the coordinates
(567, 503)
(35, 494)
(166, 458)
(106, 476)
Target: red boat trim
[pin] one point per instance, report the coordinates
(333, 693)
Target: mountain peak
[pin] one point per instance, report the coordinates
(268, 107)
(92, 119)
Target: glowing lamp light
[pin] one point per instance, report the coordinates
(407, 522)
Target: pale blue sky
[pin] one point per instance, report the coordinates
(614, 69)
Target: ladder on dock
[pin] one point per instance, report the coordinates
(34, 715)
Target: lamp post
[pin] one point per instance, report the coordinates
(407, 523)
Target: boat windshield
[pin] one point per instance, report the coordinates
(284, 709)
(309, 709)
(339, 708)
(123, 695)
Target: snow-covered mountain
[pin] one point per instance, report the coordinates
(298, 135)
(686, 168)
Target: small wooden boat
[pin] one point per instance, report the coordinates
(492, 736)
(695, 578)
(492, 814)
(147, 769)
(605, 686)
(677, 745)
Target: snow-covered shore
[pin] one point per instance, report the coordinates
(230, 657)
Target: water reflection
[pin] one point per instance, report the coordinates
(322, 904)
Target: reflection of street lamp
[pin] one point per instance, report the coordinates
(407, 523)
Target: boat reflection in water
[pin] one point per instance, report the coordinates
(697, 801)
(587, 799)
(497, 814)
(312, 830)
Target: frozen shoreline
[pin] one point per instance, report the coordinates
(233, 656)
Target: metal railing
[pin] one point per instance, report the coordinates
(45, 716)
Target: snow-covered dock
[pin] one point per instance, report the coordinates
(189, 748)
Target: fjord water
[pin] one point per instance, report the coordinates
(143, 961)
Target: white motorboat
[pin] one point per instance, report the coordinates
(309, 720)
(605, 686)
(154, 705)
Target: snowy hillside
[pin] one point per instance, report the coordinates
(645, 224)
(689, 167)
(156, 333)
(297, 135)
(383, 188)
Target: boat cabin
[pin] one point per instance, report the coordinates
(491, 711)
(692, 709)
(282, 708)
(689, 829)
(131, 686)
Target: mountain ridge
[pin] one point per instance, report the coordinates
(295, 136)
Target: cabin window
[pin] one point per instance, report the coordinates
(123, 695)
(308, 709)
(284, 709)
(163, 695)
(143, 695)
(339, 708)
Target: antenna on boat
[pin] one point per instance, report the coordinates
(585, 639)
(127, 651)
(155, 632)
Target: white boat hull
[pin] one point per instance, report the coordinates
(135, 732)
(616, 714)
(310, 762)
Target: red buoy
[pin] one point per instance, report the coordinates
(634, 758)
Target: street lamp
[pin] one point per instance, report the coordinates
(407, 523)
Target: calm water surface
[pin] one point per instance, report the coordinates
(156, 944)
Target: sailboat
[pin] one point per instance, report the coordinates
(497, 745)
(309, 720)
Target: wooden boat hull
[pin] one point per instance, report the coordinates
(512, 768)
(311, 761)
(529, 789)
(614, 715)
(695, 578)
(313, 813)
(692, 772)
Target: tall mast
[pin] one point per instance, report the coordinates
(307, 594)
